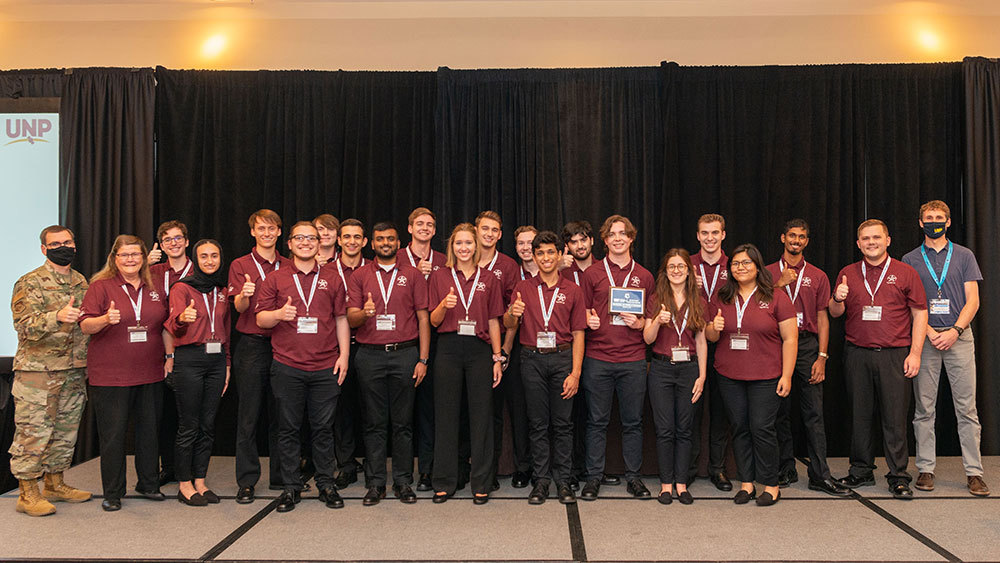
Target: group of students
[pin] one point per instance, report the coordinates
(337, 348)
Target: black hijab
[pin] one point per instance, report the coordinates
(200, 280)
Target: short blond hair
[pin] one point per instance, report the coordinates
(712, 218)
(935, 205)
(873, 223)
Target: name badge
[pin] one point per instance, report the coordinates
(798, 319)
(213, 347)
(466, 328)
(680, 355)
(136, 334)
(307, 325)
(739, 342)
(385, 322)
(546, 340)
(871, 313)
(617, 320)
(940, 306)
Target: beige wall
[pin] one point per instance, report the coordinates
(422, 35)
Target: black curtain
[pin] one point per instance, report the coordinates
(41, 83)
(980, 215)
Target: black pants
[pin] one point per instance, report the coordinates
(167, 428)
(463, 360)
(199, 379)
(811, 406)
(386, 380)
(875, 380)
(424, 410)
(348, 419)
(251, 379)
(112, 407)
(297, 392)
(604, 380)
(670, 395)
(718, 423)
(550, 422)
(511, 392)
(580, 413)
(752, 407)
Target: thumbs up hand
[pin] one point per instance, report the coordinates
(69, 313)
(593, 320)
(155, 254)
(288, 311)
(189, 315)
(664, 317)
(567, 259)
(841, 293)
(517, 307)
(248, 287)
(788, 276)
(370, 306)
(113, 314)
(451, 299)
(426, 267)
(719, 322)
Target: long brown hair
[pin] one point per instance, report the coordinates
(110, 269)
(665, 294)
(462, 227)
(765, 284)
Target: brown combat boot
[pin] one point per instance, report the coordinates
(57, 490)
(32, 503)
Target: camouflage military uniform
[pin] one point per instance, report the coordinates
(49, 372)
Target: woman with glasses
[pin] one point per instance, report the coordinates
(676, 315)
(124, 315)
(755, 327)
(199, 322)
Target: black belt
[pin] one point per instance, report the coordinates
(667, 358)
(255, 336)
(806, 333)
(559, 348)
(390, 347)
(877, 348)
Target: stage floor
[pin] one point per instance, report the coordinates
(947, 524)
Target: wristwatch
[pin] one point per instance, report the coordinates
(498, 358)
(168, 356)
(423, 361)
(824, 355)
(958, 329)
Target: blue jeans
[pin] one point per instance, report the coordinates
(602, 380)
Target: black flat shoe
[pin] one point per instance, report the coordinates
(424, 483)
(111, 504)
(721, 482)
(591, 489)
(744, 497)
(152, 495)
(345, 478)
(539, 493)
(440, 497)
(611, 480)
(245, 495)
(830, 487)
(520, 479)
(404, 493)
(479, 498)
(765, 499)
(665, 497)
(195, 500)
(373, 496)
(685, 498)
(565, 493)
(853, 482)
(331, 497)
(211, 497)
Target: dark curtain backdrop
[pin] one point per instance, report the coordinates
(41, 83)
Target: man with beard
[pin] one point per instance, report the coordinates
(305, 309)
(387, 303)
(809, 290)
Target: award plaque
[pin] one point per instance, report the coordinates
(627, 300)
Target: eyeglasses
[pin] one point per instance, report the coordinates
(744, 264)
(676, 267)
(130, 256)
(172, 240)
(55, 245)
(305, 238)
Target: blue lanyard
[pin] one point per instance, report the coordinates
(944, 271)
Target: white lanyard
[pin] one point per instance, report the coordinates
(263, 276)
(461, 294)
(211, 310)
(576, 276)
(709, 290)
(392, 283)
(547, 314)
(340, 270)
(741, 310)
(496, 254)
(864, 275)
(137, 307)
(166, 276)
(413, 262)
(611, 279)
(522, 273)
(680, 329)
(312, 291)
(798, 284)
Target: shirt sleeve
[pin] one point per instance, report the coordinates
(420, 294)
(495, 307)
(179, 300)
(823, 292)
(916, 297)
(783, 308)
(588, 290)
(236, 279)
(95, 302)
(267, 296)
(337, 294)
(434, 294)
(578, 315)
(31, 319)
(354, 296)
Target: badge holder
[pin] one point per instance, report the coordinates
(617, 320)
(871, 313)
(385, 322)
(798, 319)
(137, 334)
(466, 328)
(213, 346)
(307, 325)
(940, 306)
(680, 354)
(546, 340)
(739, 342)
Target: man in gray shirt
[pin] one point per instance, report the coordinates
(951, 276)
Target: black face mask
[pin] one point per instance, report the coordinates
(935, 230)
(62, 256)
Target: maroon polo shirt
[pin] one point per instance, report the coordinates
(666, 337)
(164, 276)
(344, 272)
(413, 259)
(409, 295)
(306, 351)
(573, 273)
(722, 266)
(113, 361)
(487, 303)
(523, 274)
(814, 292)
(901, 290)
(508, 272)
(568, 314)
(200, 331)
(762, 360)
(613, 343)
(242, 266)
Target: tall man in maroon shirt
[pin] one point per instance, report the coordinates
(305, 309)
(387, 303)
(885, 327)
(809, 289)
(712, 266)
(252, 354)
(615, 358)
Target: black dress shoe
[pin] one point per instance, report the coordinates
(591, 489)
(111, 504)
(830, 487)
(373, 496)
(245, 495)
(765, 499)
(638, 489)
(440, 497)
(288, 500)
(853, 482)
(424, 483)
(404, 493)
(685, 498)
(496, 485)
(786, 478)
(901, 491)
(574, 483)
(565, 493)
(480, 498)
(665, 497)
(152, 495)
(195, 500)
(520, 479)
(721, 482)
(166, 476)
(539, 493)
(211, 497)
(611, 480)
(345, 478)
(331, 497)
(743, 497)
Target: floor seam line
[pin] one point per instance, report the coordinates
(236, 534)
(909, 530)
(577, 545)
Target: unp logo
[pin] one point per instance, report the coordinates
(29, 131)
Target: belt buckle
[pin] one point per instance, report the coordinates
(391, 347)
(877, 348)
(547, 350)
